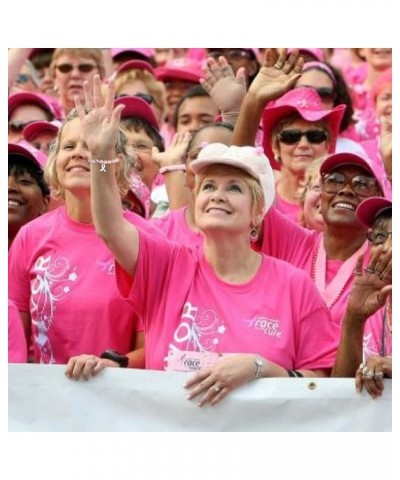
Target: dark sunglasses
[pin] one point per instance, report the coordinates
(144, 96)
(82, 67)
(234, 54)
(290, 137)
(17, 126)
(362, 185)
(377, 237)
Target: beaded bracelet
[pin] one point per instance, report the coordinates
(173, 168)
(103, 162)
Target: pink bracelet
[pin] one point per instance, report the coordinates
(173, 168)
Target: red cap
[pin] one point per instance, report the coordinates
(135, 65)
(185, 69)
(137, 107)
(370, 208)
(34, 128)
(21, 98)
(28, 151)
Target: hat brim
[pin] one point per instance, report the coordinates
(199, 165)
(14, 148)
(163, 74)
(137, 107)
(273, 115)
(370, 208)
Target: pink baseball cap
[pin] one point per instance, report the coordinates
(21, 98)
(28, 151)
(135, 65)
(185, 69)
(137, 107)
(145, 52)
(370, 208)
(33, 129)
(307, 103)
(317, 53)
(252, 160)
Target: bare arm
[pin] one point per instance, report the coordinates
(277, 75)
(100, 127)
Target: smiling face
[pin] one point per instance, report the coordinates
(224, 201)
(295, 158)
(340, 208)
(377, 58)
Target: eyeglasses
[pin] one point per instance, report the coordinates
(290, 137)
(377, 237)
(82, 67)
(234, 54)
(141, 148)
(17, 126)
(362, 185)
(144, 96)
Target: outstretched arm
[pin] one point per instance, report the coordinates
(277, 75)
(100, 127)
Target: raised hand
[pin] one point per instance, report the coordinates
(372, 285)
(99, 120)
(226, 89)
(277, 75)
(175, 154)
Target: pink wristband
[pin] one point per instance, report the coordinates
(173, 168)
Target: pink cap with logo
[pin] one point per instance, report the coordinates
(185, 69)
(307, 103)
(252, 160)
(35, 128)
(137, 107)
(370, 208)
(28, 151)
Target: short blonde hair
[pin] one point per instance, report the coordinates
(92, 53)
(251, 182)
(127, 166)
(311, 173)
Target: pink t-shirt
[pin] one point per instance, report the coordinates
(284, 239)
(176, 229)
(17, 351)
(291, 210)
(377, 335)
(63, 274)
(188, 308)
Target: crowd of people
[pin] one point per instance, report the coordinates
(220, 211)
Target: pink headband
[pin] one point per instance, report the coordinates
(320, 66)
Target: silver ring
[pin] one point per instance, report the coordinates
(278, 68)
(370, 270)
(216, 389)
(362, 365)
(369, 375)
(378, 375)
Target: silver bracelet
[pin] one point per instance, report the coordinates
(103, 162)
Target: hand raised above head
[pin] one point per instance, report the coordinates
(278, 74)
(99, 119)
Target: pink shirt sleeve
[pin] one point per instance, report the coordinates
(17, 350)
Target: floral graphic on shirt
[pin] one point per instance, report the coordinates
(52, 282)
(198, 331)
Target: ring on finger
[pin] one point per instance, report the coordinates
(216, 389)
(362, 365)
(369, 374)
(378, 375)
(357, 272)
(370, 270)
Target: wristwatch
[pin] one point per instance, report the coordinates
(259, 361)
(117, 357)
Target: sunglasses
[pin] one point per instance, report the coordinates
(377, 237)
(290, 137)
(362, 185)
(234, 54)
(82, 67)
(17, 126)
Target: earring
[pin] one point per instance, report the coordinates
(253, 234)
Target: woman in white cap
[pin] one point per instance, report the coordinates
(200, 304)
(367, 323)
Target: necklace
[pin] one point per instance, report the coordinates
(332, 293)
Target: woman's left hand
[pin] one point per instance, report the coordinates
(370, 374)
(216, 382)
(100, 124)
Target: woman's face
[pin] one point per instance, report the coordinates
(312, 205)
(322, 83)
(140, 145)
(22, 116)
(70, 73)
(72, 166)
(384, 102)
(377, 58)
(296, 157)
(43, 140)
(381, 228)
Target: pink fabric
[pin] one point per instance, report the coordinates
(196, 311)
(291, 210)
(173, 224)
(284, 239)
(62, 273)
(371, 148)
(373, 335)
(17, 351)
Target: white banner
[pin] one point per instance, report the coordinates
(41, 398)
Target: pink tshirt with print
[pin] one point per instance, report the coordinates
(62, 273)
(195, 311)
(17, 351)
(173, 224)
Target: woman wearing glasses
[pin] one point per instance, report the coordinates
(346, 179)
(70, 67)
(367, 323)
